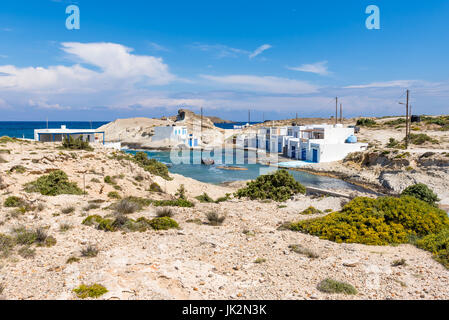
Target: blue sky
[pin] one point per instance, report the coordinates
(149, 58)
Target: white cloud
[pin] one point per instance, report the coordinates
(45, 105)
(221, 51)
(117, 61)
(320, 68)
(224, 51)
(157, 47)
(265, 84)
(259, 50)
(387, 84)
(118, 67)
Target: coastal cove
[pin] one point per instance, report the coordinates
(217, 174)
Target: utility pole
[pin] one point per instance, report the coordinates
(336, 110)
(341, 113)
(407, 125)
(201, 133)
(249, 117)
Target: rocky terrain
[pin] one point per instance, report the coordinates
(247, 257)
(138, 132)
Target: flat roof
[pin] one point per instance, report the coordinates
(68, 131)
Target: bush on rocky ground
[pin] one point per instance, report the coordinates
(422, 192)
(151, 165)
(379, 221)
(421, 138)
(365, 122)
(154, 187)
(311, 210)
(438, 244)
(278, 186)
(76, 144)
(332, 286)
(53, 184)
(92, 291)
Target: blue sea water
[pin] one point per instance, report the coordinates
(215, 175)
(25, 129)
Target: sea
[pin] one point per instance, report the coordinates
(25, 129)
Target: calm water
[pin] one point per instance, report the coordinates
(213, 174)
(25, 129)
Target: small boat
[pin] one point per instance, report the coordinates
(207, 162)
(232, 168)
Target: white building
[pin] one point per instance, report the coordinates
(58, 135)
(175, 134)
(326, 143)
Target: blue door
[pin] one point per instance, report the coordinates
(315, 155)
(267, 145)
(304, 154)
(293, 152)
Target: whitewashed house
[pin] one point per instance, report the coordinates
(58, 135)
(175, 135)
(326, 143)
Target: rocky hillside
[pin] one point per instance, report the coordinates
(138, 132)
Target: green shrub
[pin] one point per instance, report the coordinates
(297, 248)
(260, 260)
(151, 165)
(279, 186)
(38, 236)
(422, 192)
(311, 210)
(204, 198)
(68, 210)
(394, 144)
(397, 263)
(333, 286)
(215, 219)
(7, 243)
(365, 122)
(421, 138)
(72, 260)
(54, 184)
(126, 207)
(93, 291)
(18, 169)
(6, 139)
(27, 252)
(76, 144)
(181, 193)
(379, 221)
(163, 223)
(154, 187)
(90, 251)
(173, 203)
(165, 212)
(438, 244)
(109, 180)
(13, 202)
(114, 195)
(100, 223)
